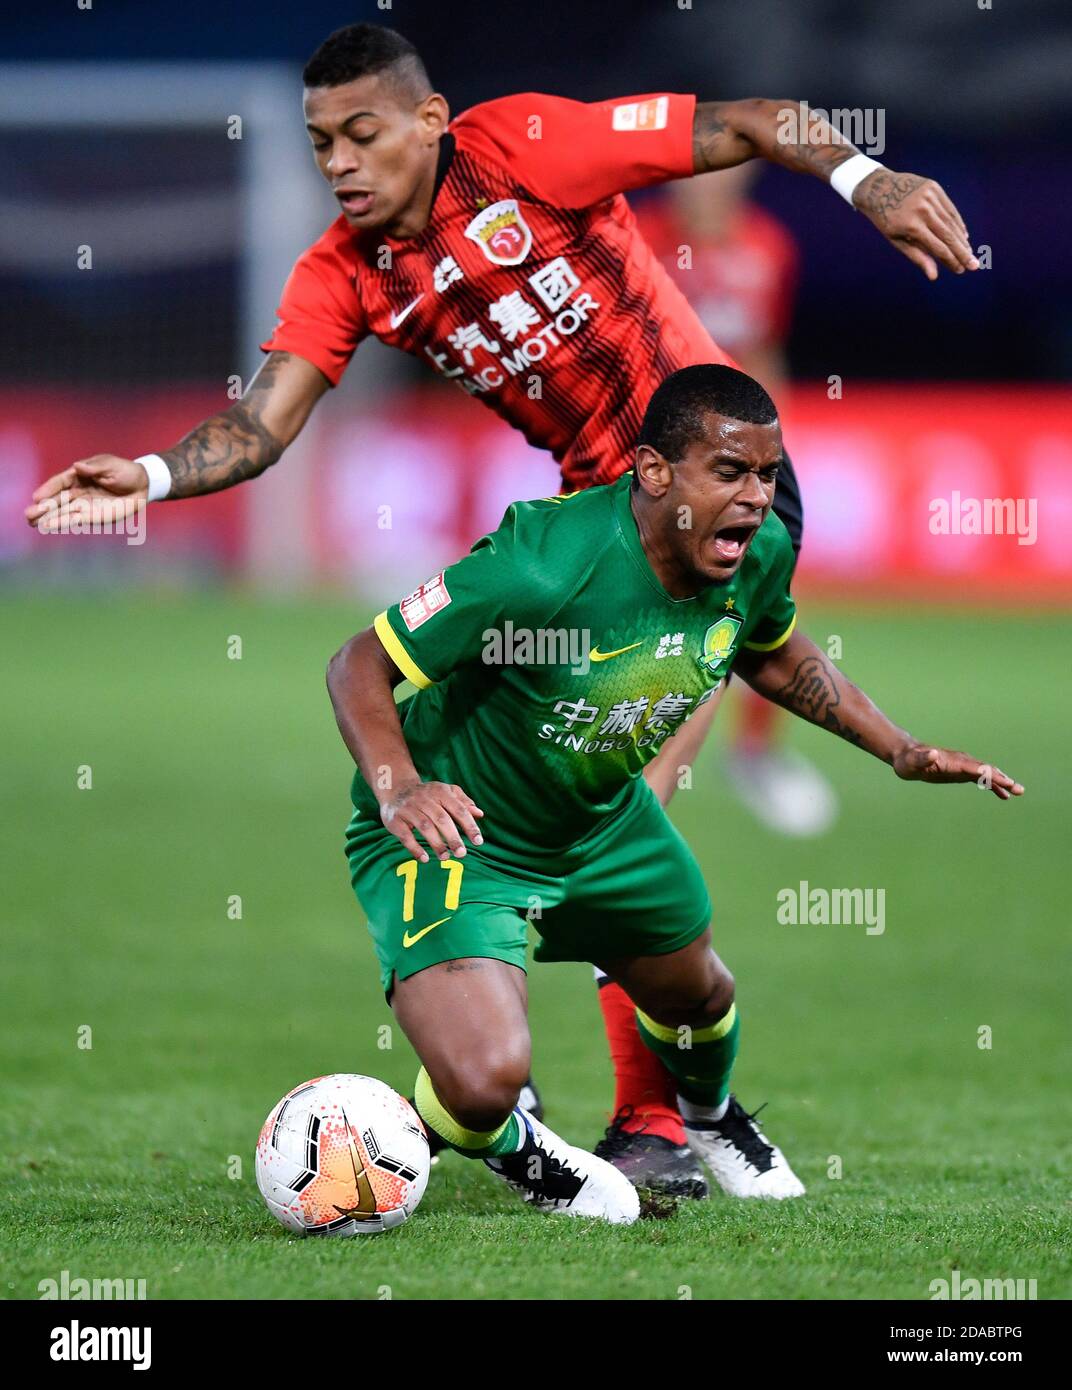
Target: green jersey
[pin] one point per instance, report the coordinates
(551, 664)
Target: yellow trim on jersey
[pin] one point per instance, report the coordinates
(398, 654)
(770, 646)
(711, 1033)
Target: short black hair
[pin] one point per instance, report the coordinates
(675, 413)
(359, 50)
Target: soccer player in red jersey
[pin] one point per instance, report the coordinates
(498, 248)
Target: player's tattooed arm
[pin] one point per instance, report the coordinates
(799, 677)
(913, 213)
(361, 680)
(812, 692)
(248, 437)
(230, 447)
(725, 133)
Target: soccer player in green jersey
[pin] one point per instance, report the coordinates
(551, 663)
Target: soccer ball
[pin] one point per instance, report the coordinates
(342, 1155)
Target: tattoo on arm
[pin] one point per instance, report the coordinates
(820, 159)
(230, 447)
(812, 692)
(725, 133)
(707, 128)
(884, 192)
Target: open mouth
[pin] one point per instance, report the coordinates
(730, 542)
(354, 201)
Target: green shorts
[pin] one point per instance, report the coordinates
(632, 888)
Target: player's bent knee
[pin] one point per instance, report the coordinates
(480, 1094)
(722, 995)
(697, 1007)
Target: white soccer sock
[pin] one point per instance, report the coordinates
(704, 1114)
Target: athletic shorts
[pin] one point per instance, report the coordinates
(630, 888)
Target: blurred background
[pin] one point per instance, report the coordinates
(117, 134)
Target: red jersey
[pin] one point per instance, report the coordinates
(531, 286)
(741, 286)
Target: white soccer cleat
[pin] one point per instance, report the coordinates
(554, 1176)
(783, 791)
(742, 1160)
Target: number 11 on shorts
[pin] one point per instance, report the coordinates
(407, 872)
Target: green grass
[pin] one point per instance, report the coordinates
(214, 777)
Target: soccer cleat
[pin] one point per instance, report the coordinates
(553, 1176)
(743, 1161)
(649, 1161)
(529, 1100)
(783, 791)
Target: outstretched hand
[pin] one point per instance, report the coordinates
(920, 762)
(918, 217)
(101, 489)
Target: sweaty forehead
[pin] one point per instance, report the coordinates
(739, 439)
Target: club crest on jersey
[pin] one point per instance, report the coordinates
(501, 233)
(718, 644)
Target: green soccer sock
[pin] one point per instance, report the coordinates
(699, 1059)
(474, 1143)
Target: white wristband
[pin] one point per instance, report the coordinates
(159, 476)
(855, 169)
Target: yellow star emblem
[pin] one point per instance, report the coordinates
(729, 604)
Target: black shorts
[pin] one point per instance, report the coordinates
(787, 504)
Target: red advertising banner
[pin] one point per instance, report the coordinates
(951, 493)
(955, 493)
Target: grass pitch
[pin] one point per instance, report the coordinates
(214, 778)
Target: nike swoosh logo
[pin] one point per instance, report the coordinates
(396, 319)
(596, 655)
(408, 940)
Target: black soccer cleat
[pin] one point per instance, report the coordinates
(529, 1100)
(651, 1162)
